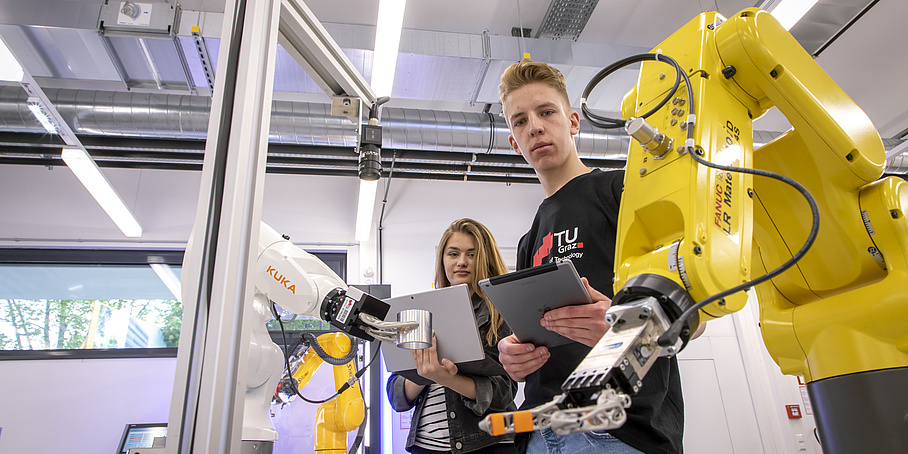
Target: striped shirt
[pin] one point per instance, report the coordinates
(432, 432)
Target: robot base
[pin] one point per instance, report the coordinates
(849, 408)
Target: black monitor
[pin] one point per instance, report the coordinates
(141, 436)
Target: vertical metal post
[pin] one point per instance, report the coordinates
(207, 405)
(375, 403)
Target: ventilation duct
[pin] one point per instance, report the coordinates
(155, 116)
(132, 114)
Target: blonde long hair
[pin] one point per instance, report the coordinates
(487, 263)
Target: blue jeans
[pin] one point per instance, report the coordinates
(547, 442)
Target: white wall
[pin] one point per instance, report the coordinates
(735, 395)
(79, 406)
(418, 212)
(772, 391)
(48, 207)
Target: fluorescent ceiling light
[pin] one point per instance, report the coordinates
(169, 278)
(10, 70)
(789, 12)
(364, 208)
(387, 42)
(34, 105)
(91, 177)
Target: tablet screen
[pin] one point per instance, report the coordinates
(524, 296)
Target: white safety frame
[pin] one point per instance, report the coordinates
(206, 410)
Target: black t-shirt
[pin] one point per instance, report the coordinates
(580, 223)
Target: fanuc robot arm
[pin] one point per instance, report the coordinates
(302, 284)
(704, 216)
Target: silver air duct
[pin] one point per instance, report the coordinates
(300, 123)
(292, 123)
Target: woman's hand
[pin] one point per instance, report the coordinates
(428, 366)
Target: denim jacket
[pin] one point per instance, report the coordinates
(494, 393)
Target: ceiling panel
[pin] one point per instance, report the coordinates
(148, 63)
(870, 61)
(72, 53)
(436, 77)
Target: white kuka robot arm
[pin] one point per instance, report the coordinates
(291, 277)
(302, 284)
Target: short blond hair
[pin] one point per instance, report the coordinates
(527, 72)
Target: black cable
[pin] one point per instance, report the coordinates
(290, 374)
(356, 377)
(280, 323)
(325, 356)
(360, 435)
(361, 432)
(613, 123)
(371, 360)
(491, 131)
(381, 220)
(671, 335)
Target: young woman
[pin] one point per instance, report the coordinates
(448, 411)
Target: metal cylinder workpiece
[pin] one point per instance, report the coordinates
(417, 338)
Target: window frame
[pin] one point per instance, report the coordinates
(75, 256)
(78, 256)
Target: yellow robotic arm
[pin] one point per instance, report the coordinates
(346, 412)
(840, 316)
(696, 226)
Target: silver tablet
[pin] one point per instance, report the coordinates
(452, 320)
(524, 296)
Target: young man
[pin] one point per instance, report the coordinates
(577, 220)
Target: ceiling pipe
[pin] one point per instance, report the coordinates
(107, 113)
(147, 115)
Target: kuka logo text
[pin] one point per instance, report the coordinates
(283, 280)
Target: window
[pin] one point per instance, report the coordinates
(104, 302)
(89, 299)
